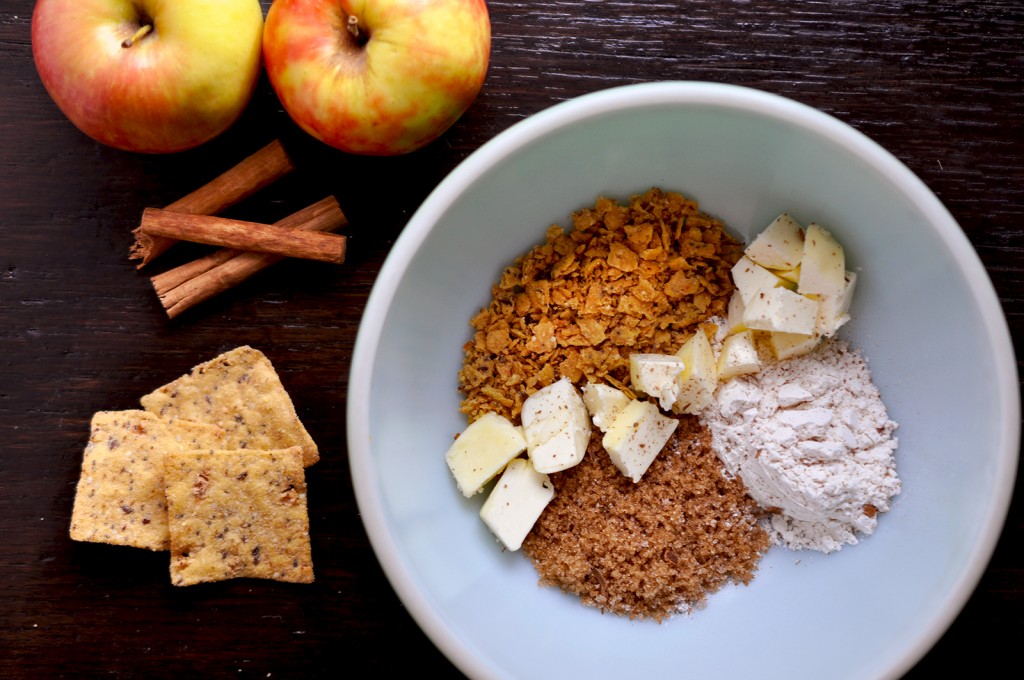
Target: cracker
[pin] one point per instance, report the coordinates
(120, 495)
(238, 513)
(240, 391)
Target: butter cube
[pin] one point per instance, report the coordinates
(636, 436)
(655, 375)
(781, 310)
(833, 310)
(790, 276)
(823, 266)
(734, 313)
(604, 402)
(556, 425)
(788, 345)
(516, 502)
(738, 356)
(699, 378)
(482, 451)
(779, 246)
(750, 278)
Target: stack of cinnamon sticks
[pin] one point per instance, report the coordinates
(245, 247)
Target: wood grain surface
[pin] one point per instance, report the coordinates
(939, 84)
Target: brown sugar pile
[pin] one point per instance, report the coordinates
(635, 278)
(625, 278)
(651, 549)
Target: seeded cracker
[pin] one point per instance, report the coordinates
(240, 391)
(120, 497)
(238, 513)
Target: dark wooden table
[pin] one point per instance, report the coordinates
(939, 84)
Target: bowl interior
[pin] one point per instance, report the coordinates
(924, 315)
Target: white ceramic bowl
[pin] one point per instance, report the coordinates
(925, 315)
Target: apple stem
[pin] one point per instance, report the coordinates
(139, 35)
(353, 26)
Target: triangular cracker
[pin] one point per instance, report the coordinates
(238, 513)
(240, 391)
(120, 495)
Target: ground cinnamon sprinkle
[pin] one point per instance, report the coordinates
(651, 549)
(628, 278)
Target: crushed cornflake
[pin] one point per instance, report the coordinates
(625, 278)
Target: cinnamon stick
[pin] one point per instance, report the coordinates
(184, 287)
(240, 235)
(324, 215)
(236, 184)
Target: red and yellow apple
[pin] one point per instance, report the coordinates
(154, 76)
(377, 77)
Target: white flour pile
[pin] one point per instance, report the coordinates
(812, 441)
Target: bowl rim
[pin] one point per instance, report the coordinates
(616, 99)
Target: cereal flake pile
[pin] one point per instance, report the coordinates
(625, 278)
